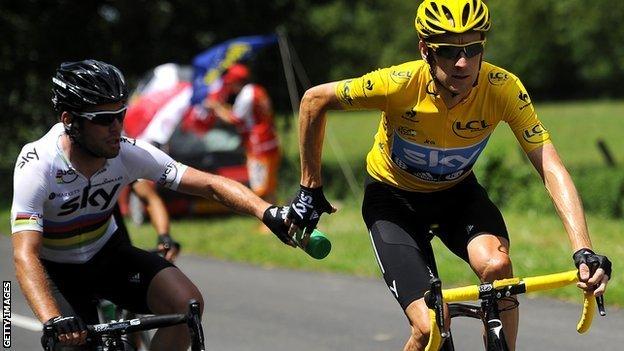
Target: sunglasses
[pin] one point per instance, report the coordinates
(452, 51)
(104, 118)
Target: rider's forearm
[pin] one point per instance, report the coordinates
(228, 192)
(34, 284)
(312, 119)
(568, 204)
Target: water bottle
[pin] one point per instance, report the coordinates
(318, 245)
(108, 310)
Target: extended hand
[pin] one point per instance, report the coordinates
(275, 218)
(306, 210)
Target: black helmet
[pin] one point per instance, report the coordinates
(77, 85)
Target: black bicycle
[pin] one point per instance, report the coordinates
(110, 336)
(488, 312)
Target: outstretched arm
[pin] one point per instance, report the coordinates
(568, 204)
(227, 191)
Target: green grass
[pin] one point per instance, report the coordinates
(539, 243)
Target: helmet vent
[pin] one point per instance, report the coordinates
(429, 14)
(434, 6)
(483, 20)
(435, 26)
(447, 13)
(465, 14)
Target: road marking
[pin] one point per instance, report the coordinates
(25, 322)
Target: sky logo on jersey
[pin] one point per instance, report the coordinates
(30, 155)
(99, 197)
(435, 164)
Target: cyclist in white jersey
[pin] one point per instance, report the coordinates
(67, 248)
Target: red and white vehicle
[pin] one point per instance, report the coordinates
(159, 112)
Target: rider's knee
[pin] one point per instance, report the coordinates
(171, 291)
(497, 267)
(185, 296)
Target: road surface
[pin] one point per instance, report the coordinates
(257, 309)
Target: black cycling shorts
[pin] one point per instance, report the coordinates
(119, 272)
(399, 223)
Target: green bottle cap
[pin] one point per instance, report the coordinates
(318, 245)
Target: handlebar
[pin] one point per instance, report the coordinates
(121, 327)
(504, 288)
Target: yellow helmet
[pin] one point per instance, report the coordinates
(435, 17)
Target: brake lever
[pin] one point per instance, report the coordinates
(601, 306)
(436, 302)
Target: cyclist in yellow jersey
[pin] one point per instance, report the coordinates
(436, 117)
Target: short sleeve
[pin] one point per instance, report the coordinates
(144, 161)
(29, 191)
(375, 90)
(366, 92)
(520, 114)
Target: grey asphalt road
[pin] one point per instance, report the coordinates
(256, 309)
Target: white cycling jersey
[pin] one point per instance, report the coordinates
(73, 212)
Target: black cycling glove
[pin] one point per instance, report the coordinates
(273, 218)
(65, 325)
(306, 208)
(167, 242)
(592, 261)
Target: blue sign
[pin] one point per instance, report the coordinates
(212, 63)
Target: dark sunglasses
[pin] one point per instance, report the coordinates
(104, 118)
(452, 51)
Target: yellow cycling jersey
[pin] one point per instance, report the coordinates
(421, 145)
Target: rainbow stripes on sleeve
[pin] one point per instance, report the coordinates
(27, 221)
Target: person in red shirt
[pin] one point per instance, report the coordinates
(252, 114)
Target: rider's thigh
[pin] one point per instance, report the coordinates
(489, 257)
(170, 292)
